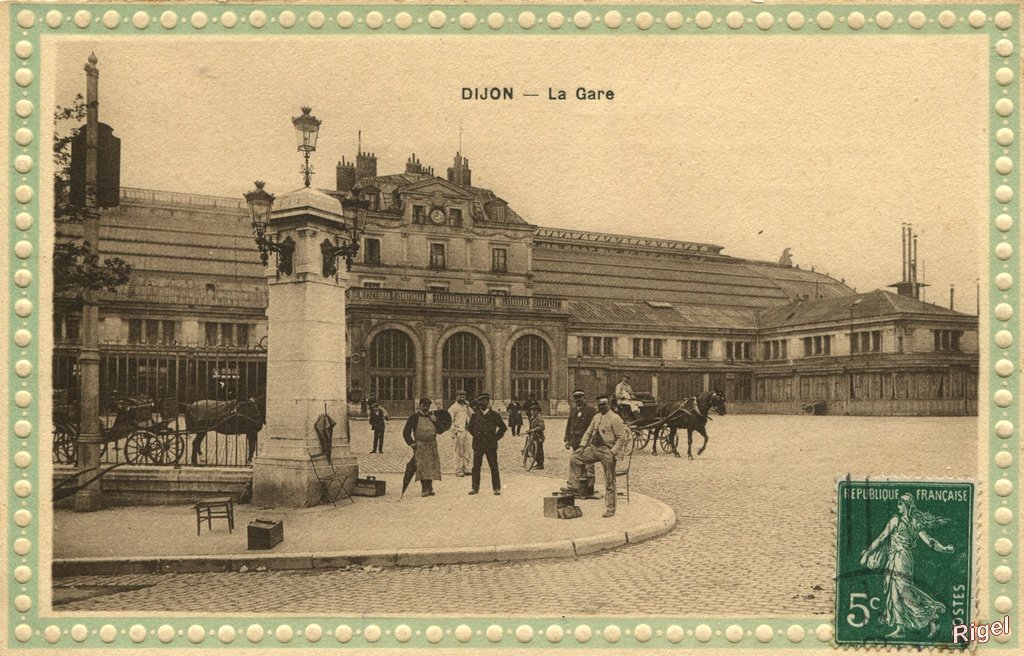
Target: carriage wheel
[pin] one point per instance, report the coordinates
(142, 448)
(177, 452)
(65, 444)
(641, 438)
(530, 454)
(663, 438)
(167, 448)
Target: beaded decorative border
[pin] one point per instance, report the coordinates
(26, 626)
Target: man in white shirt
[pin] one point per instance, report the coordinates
(602, 442)
(626, 399)
(461, 412)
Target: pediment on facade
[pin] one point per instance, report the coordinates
(436, 187)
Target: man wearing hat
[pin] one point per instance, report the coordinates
(486, 427)
(579, 421)
(626, 399)
(461, 412)
(378, 417)
(421, 434)
(604, 439)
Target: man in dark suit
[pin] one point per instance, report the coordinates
(577, 424)
(486, 427)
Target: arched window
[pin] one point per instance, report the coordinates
(531, 369)
(392, 364)
(463, 365)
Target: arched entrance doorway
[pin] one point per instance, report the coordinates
(392, 369)
(531, 370)
(463, 366)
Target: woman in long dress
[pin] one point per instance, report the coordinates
(906, 605)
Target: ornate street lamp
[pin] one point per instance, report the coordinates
(307, 128)
(354, 210)
(260, 203)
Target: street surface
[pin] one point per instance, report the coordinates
(755, 533)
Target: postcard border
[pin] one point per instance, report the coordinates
(27, 627)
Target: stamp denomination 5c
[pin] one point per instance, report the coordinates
(903, 561)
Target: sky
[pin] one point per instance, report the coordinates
(818, 144)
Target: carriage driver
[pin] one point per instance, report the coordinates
(626, 399)
(603, 441)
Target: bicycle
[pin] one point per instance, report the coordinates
(530, 449)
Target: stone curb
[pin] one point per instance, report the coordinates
(565, 548)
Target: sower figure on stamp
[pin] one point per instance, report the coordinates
(906, 605)
(487, 428)
(577, 424)
(378, 417)
(602, 442)
(421, 434)
(461, 412)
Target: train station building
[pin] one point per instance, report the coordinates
(453, 289)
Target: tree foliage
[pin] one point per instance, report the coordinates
(77, 269)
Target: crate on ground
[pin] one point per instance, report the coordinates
(265, 533)
(554, 502)
(369, 487)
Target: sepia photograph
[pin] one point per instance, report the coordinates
(453, 325)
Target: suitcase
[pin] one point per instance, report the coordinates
(369, 487)
(265, 533)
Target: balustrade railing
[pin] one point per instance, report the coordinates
(455, 298)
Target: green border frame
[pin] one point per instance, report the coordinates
(29, 629)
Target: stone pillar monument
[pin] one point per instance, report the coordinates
(306, 351)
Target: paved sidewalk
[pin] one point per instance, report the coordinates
(451, 527)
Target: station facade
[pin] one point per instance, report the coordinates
(453, 289)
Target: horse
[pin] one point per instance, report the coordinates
(693, 415)
(226, 418)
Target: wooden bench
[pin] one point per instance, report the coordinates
(209, 509)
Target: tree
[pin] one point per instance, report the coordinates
(76, 268)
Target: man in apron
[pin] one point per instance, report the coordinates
(421, 434)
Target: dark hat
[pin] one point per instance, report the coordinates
(579, 392)
(483, 396)
(603, 396)
(426, 401)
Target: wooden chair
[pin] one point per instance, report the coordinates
(209, 509)
(331, 482)
(622, 470)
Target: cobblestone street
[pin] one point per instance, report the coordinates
(755, 533)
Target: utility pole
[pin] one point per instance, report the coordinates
(90, 438)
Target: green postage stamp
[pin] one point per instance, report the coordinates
(486, 327)
(903, 561)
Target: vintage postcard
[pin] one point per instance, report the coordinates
(493, 327)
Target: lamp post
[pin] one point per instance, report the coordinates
(308, 229)
(307, 128)
(354, 211)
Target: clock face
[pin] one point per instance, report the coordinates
(437, 215)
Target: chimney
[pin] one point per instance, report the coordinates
(413, 165)
(951, 297)
(346, 174)
(366, 163)
(459, 172)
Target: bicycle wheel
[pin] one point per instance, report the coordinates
(65, 444)
(530, 455)
(142, 448)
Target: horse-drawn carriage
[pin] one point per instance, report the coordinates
(658, 423)
(148, 432)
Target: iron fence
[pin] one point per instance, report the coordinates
(145, 394)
